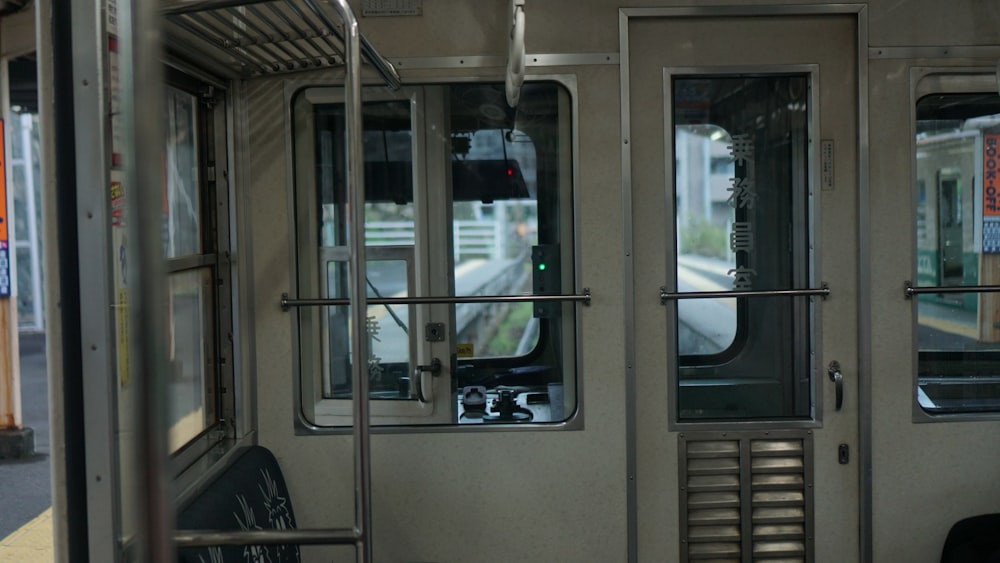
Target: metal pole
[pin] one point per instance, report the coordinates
(665, 295)
(142, 120)
(584, 298)
(910, 290)
(206, 538)
(359, 312)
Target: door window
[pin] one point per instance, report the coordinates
(742, 204)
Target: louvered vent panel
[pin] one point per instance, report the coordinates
(745, 497)
(778, 499)
(713, 501)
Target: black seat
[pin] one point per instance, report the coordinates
(973, 540)
(249, 495)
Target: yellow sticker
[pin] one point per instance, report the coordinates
(465, 350)
(121, 314)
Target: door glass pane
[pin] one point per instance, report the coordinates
(388, 331)
(389, 238)
(705, 170)
(388, 169)
(741, 146)
(958, 244)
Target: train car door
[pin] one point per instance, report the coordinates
(949, 228)
(740, 147)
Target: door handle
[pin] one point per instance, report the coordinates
(434, 368)
(837, 377)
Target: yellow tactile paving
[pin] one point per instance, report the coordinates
(31, 543)
(953, 327)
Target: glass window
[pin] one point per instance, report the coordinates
(464, 196)
(182, 232)
(189, 310)
(958, 245)
(493, 234)
(390, 234)
(194, 277)
(705, 215)
(741, 192)
(24, 174)
(512, 235)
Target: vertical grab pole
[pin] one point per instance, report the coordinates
(143, 148)
(359, 307)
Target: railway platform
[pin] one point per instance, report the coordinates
(25, 484)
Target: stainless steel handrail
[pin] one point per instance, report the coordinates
(141, 112)
(909, 290)
(358, 269)
(296, 536)
(583, 297)
(822, 291)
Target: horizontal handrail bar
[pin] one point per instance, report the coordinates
(583, 297)
(206, 538)
(910, 290)
(665, 295)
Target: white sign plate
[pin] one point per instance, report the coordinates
(392, 8)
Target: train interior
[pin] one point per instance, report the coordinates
(626, 282)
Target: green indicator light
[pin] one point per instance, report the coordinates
(541, 267)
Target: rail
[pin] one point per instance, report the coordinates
(822, 291)
(909, 290)
(208, 538)
(583, 297)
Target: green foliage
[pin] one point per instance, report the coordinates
(703, 238)
(508, 334)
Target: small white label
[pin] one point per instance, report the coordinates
(392, 8)
(826, 164)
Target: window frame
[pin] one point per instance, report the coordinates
(804, 312)
(928, 81)
(212, 146)
(315, 411)
(569, 236)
